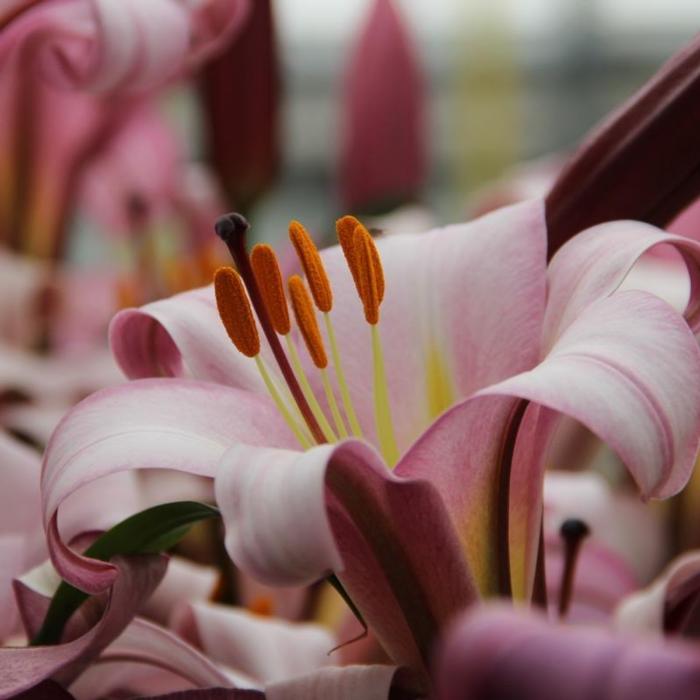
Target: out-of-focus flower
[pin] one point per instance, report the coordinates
(498, 653)
(383, 161)
(240, 99)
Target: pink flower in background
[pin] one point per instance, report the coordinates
(498, 653)
(383, 161)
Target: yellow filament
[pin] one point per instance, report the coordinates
(340, 376)
(330, 396)
(281, 406)
(382, 409)
(309, 395)
(286, 395)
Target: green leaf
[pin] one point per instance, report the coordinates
(149, 532)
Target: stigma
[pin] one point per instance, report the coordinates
(255, 289)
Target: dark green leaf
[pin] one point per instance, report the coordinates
(149, 532)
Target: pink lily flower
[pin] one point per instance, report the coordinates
(464, 398)
(498, 653)
(383, 160)
(108, 46)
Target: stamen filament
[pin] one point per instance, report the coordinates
(340, 376)
(330, 397)
(308, 391)
(232, 229)
(573, 531)
(281, 406)
(382, 408)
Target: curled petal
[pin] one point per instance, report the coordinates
(669, 604)
(628, 368)
(594, 264)
(180, 334)
(174, 424)
(25, 667)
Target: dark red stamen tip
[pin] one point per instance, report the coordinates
(231, 227)
(573, 531)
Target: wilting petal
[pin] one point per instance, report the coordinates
(389, 538)
(181, 425)
(594, 264)
(384, 160)
(669, 604)
(627, 368)
(266, 649)
(498, 653)
(25, 667)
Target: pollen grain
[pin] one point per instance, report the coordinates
(235, 312)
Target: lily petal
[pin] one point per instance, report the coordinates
(266, 649)
(174, 424)
(669, 604)
(606, 372)
(595, 263)
(25, 667)
(400, 562)
(183, 333)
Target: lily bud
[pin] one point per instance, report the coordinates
(642, 162)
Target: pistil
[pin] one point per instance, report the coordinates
(573, 532)
(232, 230)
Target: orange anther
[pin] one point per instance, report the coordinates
(234, 309)
(313, 266)
(348, 229)
(269, 279)
(368, 275)
(306, 320)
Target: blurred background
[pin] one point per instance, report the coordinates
(507, 81)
